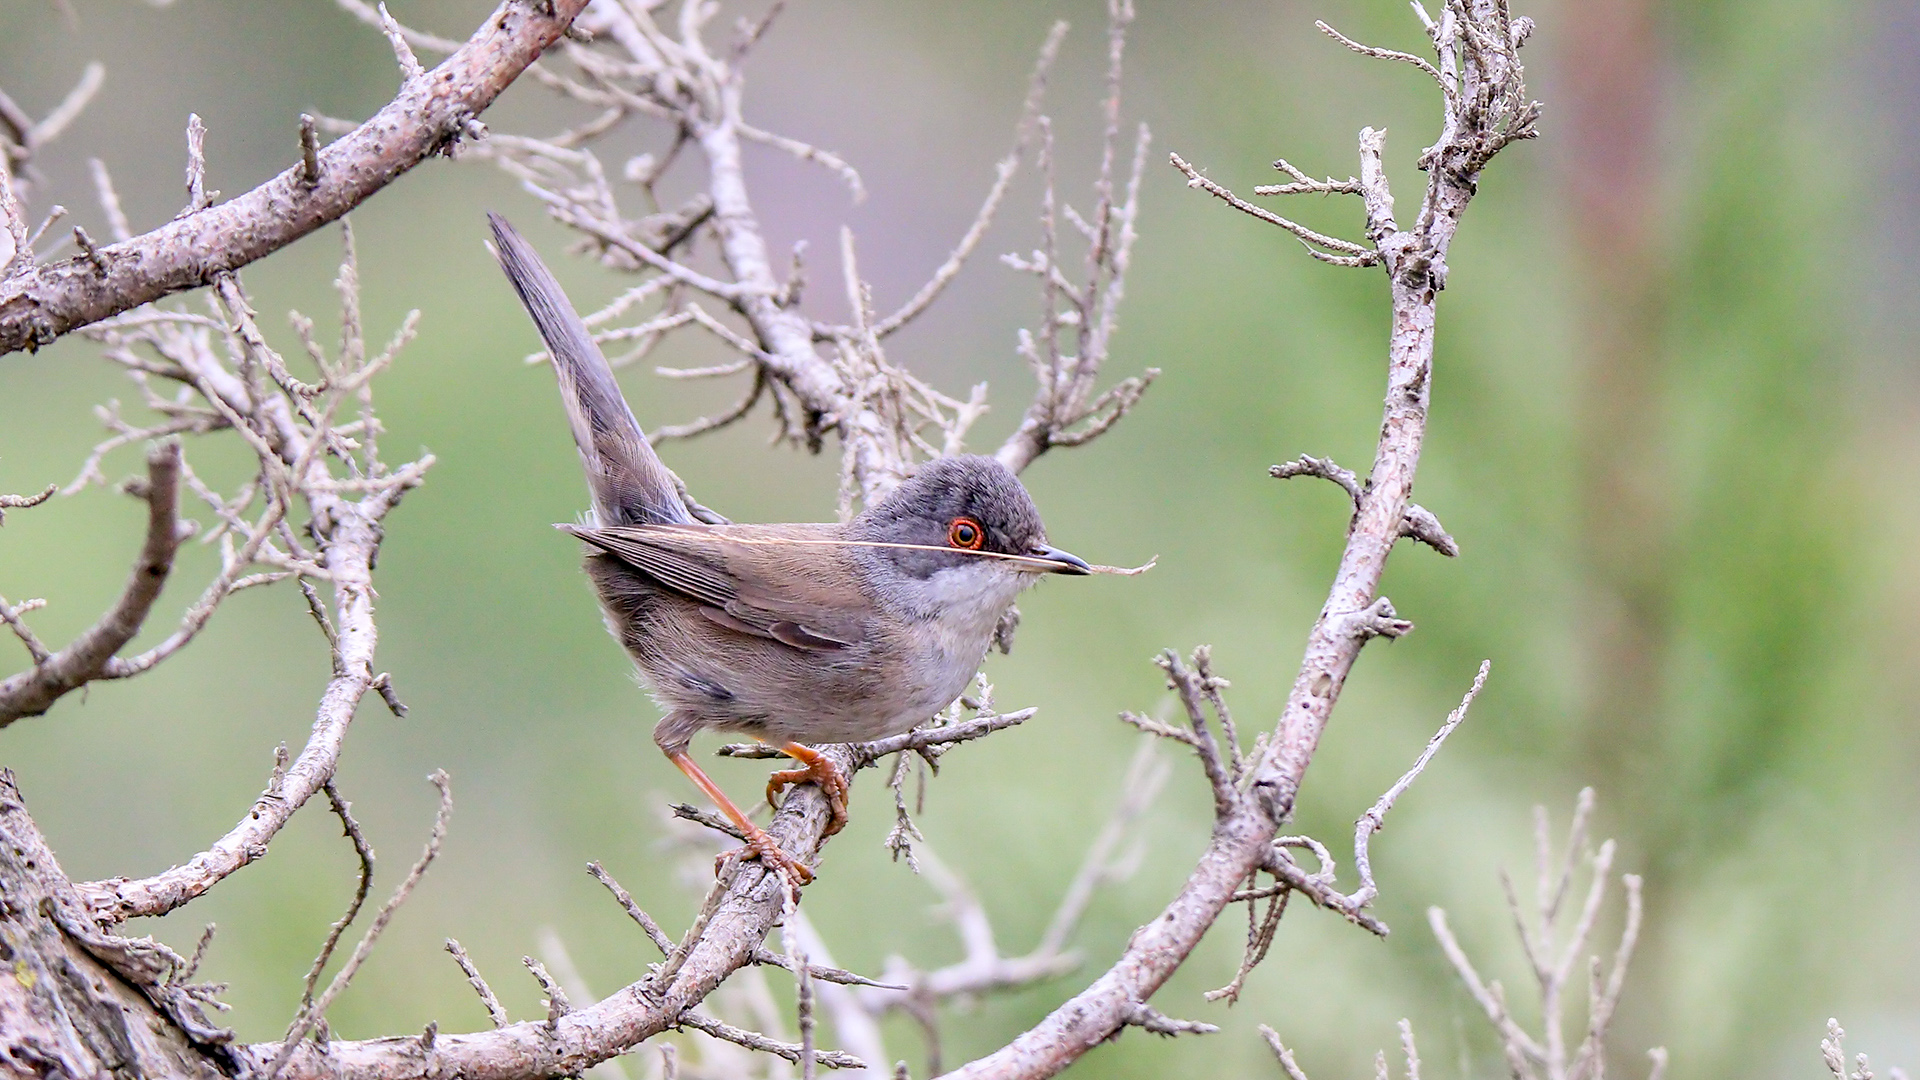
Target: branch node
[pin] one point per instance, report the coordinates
(309, 151)
(1378, 619)
(90, 250)
(383, 685)
(198, 198)
(557, 1003)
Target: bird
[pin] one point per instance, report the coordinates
(793, 634)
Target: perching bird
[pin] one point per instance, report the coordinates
(792, 634)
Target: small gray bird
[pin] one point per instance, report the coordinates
(791, 634)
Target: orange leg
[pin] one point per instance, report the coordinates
(758, 844)
(821, 772)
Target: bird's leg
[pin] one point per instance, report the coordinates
(758, 843)
(832, 783)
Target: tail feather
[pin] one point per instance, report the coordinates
(629, 483)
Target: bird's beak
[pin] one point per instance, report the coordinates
(1057, 562)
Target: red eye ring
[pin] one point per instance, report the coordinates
(966, 534)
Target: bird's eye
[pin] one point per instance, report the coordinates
(966, 533)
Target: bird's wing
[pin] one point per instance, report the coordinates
(747, 579)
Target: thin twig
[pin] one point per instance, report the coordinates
(1375, 818)
(364, 852)
(495, 1012)
(314, 1013)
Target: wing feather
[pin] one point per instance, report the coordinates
(746, 580)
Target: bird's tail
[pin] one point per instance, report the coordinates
(629, 483)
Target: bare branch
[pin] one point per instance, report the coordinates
(1241, 841)
(21, 502)
(1387, 54)
(45, 302)
(494, 1011)
(1280, 1052)
(557, 1003)
(1148, 1018)
(70, 107)
(1418, 524)
(410, 68)
(315, 1011)
(825, 158)
(364, 852)
(1521, 1048)
(1355, 254)
(1003, 175)
(625, 899)
(197, 197)
(294, 440)
(85, 659)
(17, 255)
(832, 1059)
(1375, 818)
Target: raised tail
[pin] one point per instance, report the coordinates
(629, 483)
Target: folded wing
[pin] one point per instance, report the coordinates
(772, 582)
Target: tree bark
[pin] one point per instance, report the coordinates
(76, 1001)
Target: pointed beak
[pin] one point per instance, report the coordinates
(1058, 562)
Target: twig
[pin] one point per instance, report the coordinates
(21, 502)
(64, 114)
(199, 953)
(317, 1010)
(197, 197)
(1418, 523)
(410, 68)
(625, 899)
(85, 659)
(1147, 1018)
(294, 439)
(364, 852)
(1348, 252)
(1280, 1052)
(494, 1011)
(557, 1003)
(310, 149)
(1002, 179)
(1375, 818)
(1378, 53)
(752, 1040)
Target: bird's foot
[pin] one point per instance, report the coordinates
(819, 771)
(761, 846)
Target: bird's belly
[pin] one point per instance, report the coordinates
(773, 691)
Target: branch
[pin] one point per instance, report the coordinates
(86, 658)
(1349, 253)
(1375, 818)
(294, 439)
(316, 1009)
(428, 116)
(1414, 262)
(1418, 524)
(21, 502)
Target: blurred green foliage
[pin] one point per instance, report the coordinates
(1775, 817)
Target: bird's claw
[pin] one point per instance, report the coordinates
(761, 846)
(822, 773)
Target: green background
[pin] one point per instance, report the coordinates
(1768, 795)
